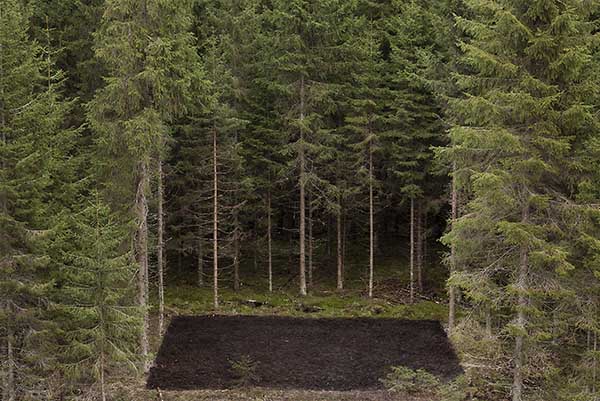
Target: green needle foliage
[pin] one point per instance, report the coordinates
(99, 318)
(525, 107)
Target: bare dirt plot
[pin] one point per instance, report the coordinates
(295, 353)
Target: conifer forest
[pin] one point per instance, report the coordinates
(299, 200)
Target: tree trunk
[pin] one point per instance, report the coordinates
(419, 249)
(102, 379)
(451, 288)
(310, 242)
(521, 317)
(488, 320)
(236, 251)
(412, 250)
(269, 245)
(595, 364)
(371, 224)
(302, 183)
(160, 250)
(200, 257)
(11, 390)
(340, 267)
(215, 224)
(141, 204)
(425, 241)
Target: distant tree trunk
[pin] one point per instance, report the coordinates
(521, 317)
(419, 246)
(200, 257)
(215, 224)
(451, 288)
(302, 183)
(236, 251)
(11, 391)
(160, 250)
(180, 256)
(329, 239)
(425, 236)
(344, 236)
(595, 364)
(412, 250)
(256, 244)
(310, 242)
(371, 224)
(269, 249)
(141, 205)
(488, 320)
(102, 379)
(340, 262)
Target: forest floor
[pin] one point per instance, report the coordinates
(185, 298)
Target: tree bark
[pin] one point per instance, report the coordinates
(451, 288)
(371, 224)
(310, 242)
(595, 364)
(11, 390)
(419, 246)
(200, 261)
(340, 267)
(160, 251)
(412, 250)
(141, 205)
(521, 316)
(269, 245)
(302, 183)
(215, 224)
(236, 251)
(488, 320)
(102, 379)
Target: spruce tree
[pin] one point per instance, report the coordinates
(35, 172)
(152, 67)
(524, 66)
(98, 318)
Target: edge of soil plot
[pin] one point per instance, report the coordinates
(336, 354)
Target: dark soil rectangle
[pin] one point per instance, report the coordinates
(326, 354)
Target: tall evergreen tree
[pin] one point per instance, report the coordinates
(99, 319)
(34, 176)
(152, 67)
(524, 67)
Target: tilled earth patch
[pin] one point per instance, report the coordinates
(202, 352)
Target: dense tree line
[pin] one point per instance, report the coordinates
(203, 138)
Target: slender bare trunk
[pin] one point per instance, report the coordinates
(521, 316)
(310, 242)
(595, 364)
(371, 224)
(102, 379)
(160, 251)
(302, 183)
(451, 288)
(425, 249)
(215, 224)
(488, 320)
(200, 261)
(340, 267)
(412, 250)
(269, 245)
(419, 246)
(236, 251)
(142, 257)
(11, 390)
(329, 239)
